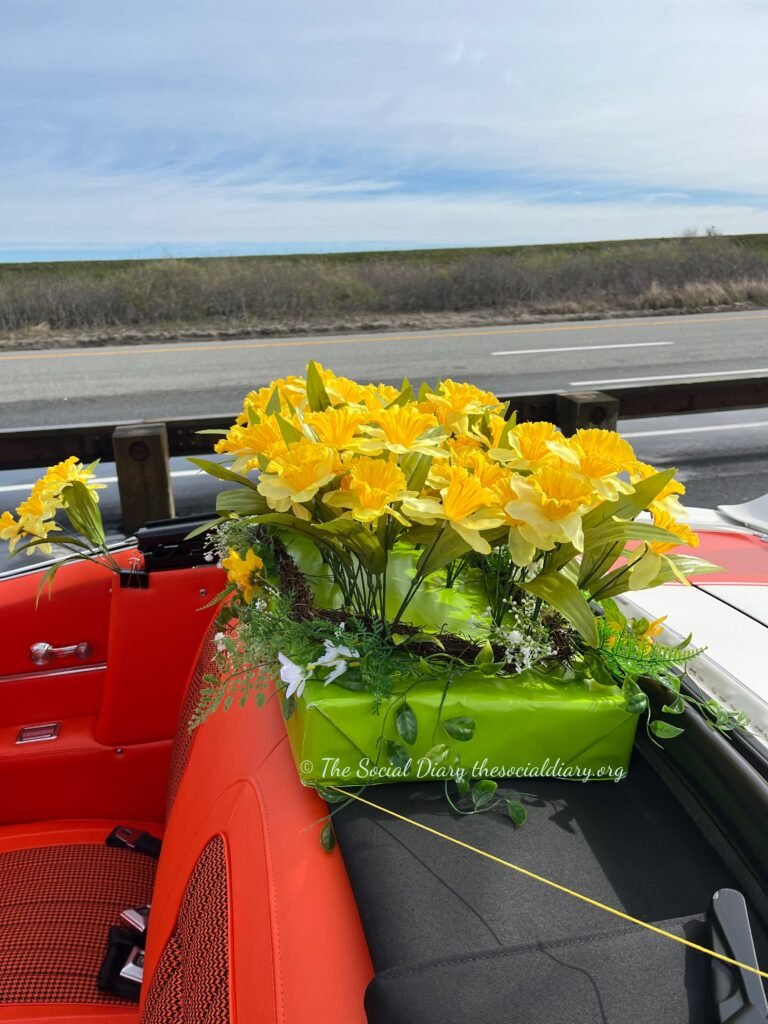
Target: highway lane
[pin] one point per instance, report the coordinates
(158, 380)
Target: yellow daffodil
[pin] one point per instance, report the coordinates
(454, 403)
(246, 443)
(668, 499)
(549, 505)
(378, 396)
(599, 456)
(244, 572)
(297, 474)
(69, 471)
(402, 429)
(369, 489)
(341, 390)
(10, 530)
(464, 504)
(336, 426)
(529, 445)
(522, 551)
(645, 569)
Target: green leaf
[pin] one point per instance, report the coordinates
(273, 405)
(438, 754)
(628, 506)
(289, 432)
(328, 837)
(204, 528)
(222, 473)
(484, 657)
(397, 755)
(565, 597)
(460, 728)
(664, 730)
(635, 699)
(612, 531)
(407, 726)
(462, 784)
(317, 396)
(288, 707)
(483, 792)
(516, 811)
(83, 512)
(240, 502)
(675, 709)
(406, 395)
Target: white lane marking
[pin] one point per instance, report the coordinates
(580, 348)
(7, 488)
(696, 430)
(693, 375)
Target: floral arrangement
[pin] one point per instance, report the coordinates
(377, 539)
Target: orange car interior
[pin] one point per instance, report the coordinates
(242, 895)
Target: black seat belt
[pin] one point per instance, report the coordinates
(124, 838)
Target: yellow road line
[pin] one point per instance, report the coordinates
(375, 339)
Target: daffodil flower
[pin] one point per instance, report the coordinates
(402, 429)
(599, 456)
(244, 572)
(369, 489)
(528, 445)
(296, 475)
(549, 506)
(644, 570)
(464, 504)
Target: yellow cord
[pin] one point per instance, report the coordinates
(553, 885)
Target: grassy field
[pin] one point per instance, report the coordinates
(133, 299)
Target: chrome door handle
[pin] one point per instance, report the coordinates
(43, 653)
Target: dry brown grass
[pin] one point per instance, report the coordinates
(314, 293)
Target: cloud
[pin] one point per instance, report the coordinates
(262, 122)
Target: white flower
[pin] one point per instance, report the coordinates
(218, 640)
(293, 675)
(337, 658)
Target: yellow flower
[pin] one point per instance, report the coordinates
(402, 429)
(69, 471)
(378, 396)
(10, 530)
(529, 445)
(297, 474)
(668, 499)
(341, 390)
(599, 455)
(369, 488)
(454, 403)
(645, 569)
(247, 443)
(465, 504)
(549, 505)
(244, 572)
(291, 391)
(336, 426)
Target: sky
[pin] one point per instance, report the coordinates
(191, 127)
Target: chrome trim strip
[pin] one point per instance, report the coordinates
(55, 673)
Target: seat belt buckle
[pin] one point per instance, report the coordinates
(136, 918)
(123, 836)
(133, 969)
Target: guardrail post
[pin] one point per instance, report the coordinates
(577, 410)
(143, 473)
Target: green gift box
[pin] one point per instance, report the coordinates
(558, 722)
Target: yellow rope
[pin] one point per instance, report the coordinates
(553, 885)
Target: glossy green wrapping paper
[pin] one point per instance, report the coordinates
(553, 724)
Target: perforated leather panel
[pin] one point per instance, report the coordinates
(56, 906)
(191, 982)
(182, 743)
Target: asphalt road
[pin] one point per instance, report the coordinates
(134, 382)
(722, 457)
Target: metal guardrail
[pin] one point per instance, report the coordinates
(41, 446)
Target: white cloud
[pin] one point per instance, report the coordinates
(434, 119)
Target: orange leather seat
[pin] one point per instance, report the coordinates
(252, 921)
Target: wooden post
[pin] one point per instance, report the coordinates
(578, 410)
(143, 474)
